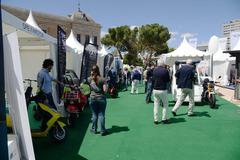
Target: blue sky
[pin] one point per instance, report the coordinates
(194, 18)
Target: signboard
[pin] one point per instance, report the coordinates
(108, 60)
(89, 60)
(61, 61)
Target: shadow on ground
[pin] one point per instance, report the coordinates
(117, 129)
(177, 120)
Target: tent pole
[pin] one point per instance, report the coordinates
(3, 127)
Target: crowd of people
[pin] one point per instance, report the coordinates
(156, 78)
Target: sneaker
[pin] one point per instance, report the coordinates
(165, 121)
(151, 101)
(93, 131)
(155, 122)
(104, 133)
(174, 113)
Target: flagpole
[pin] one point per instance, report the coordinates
(3, 128)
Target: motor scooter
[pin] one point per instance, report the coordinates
(208, 94)
(44, 121)
(74, 101)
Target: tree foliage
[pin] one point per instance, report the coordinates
(153, 39)
(150, 38)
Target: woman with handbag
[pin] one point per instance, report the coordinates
(98, 101)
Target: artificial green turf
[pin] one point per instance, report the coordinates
(214, 134)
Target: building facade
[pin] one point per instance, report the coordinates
(228, 28)
(83, 26)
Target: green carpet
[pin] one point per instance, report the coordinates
(214, 134)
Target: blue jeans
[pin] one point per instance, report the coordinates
(149, 91)
(50, 100)
(98, 106)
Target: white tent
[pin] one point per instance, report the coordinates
(237, 47)
(31, 21)
(222, 63)
(74, 60)
(100, 61)
(32, 46)
(183, 52)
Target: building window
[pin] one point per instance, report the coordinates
(95, 40)
(87, 38)
(79, 38)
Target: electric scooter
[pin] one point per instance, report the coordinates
(44, 121)
(74, 101)
(208, 94)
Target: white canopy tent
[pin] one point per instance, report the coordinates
(222, 63)
(183, 52)
(32, 46)
(100, 61)
(237, 46)
(74, 60)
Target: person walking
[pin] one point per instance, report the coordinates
(185, 79)
(98, 100)
(44, 81)
(136, 77)
(149, 84)
(145, 79)
(160, 83)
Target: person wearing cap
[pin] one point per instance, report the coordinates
(160, 83)
(185, 79)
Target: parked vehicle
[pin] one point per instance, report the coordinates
(44, 121)
(74, 97)
(74, 102)
(208, 94)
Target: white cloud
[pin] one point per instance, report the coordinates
(103, 33)
(188, 35)
(132, 27)
(174, 33)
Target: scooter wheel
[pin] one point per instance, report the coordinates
(71, 120)
(212, 101)
(58, 134)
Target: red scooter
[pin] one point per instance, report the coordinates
(74, 102)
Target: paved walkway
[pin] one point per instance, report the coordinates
(227, 94)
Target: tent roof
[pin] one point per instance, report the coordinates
(186, 50)
(31, 21)
(28, 35)
(220, 56)
(73, 42)
(103, 51)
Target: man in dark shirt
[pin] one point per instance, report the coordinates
(160, 81)
(185, 79)
(149, 83)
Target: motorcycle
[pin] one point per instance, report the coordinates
(208, 94)
(44, 121)
(74, 102)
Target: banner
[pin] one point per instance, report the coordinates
(61, 64)
(108, 60)
(89, 60)
(234, 37)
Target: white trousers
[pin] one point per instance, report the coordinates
(184, 93)
(160, 98)
(134, 86)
